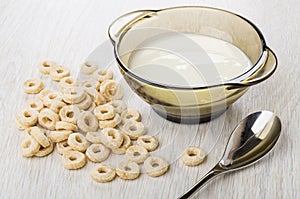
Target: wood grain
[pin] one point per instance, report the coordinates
(67, 31)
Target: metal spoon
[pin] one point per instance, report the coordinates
(250, 141)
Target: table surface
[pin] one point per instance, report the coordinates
(68, 31)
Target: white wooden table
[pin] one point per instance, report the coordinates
(67, 31)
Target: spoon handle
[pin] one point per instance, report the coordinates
(202, 182)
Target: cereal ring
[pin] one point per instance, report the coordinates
(45, 151)
(56, 106)
(34, 104)
(136, 154)
(97, 153)
(69, 114)
(90, 86)
(78, 142)
(63, 147)
(128, 170)
(99, 99)
(73, 160)
(193, 156)
(85, 103)
(88, 68)
(45, 66)
(103, 173)
(47, 118)
(29, 146)
(155, 166)
(119, 106)
(148, 142)
(87, 122)
(43, 93)
(19, 125)
(94, 137)
(59, 136)
(67, 82)
(112, 138)
(73, 95)
(51, 97)
(103, 75)
(110, 123)
(92, 107)
(130, 114)
(61, 125)
(134, 129)
(33, 86)
(39, 135)
(28, 117)
(59, 72)
(111, 90)
(104, 112)
(124, 146)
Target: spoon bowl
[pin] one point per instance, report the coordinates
(250, 141)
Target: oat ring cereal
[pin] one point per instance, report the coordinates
(134, 129)
(59, 72)
(155, 166)
(45, 151)
(128, 170)
(34, 104)
(73, 95)
(129, 115)
(46, 66)
(56, 106)
(33, 86)
(63, 147)
(43, 93)
(73, 160)
(61, 125)
(97, 152)
(47, 119)
(88, 68)
(193, 156)
(112, 138)
(67, 82)
(51, 97)
(136, 154)
(29, 146)
(103, 173)
(59, 136)
(28, 117)
(124, 146)
(103, 75)
(94, 137)
(148, 142)
(85, 103)
(104, 112)
(110, 123)
(119, 106)
(78, 142)
(69, 113)
(87, 121)
(111, 90)
(39, 135)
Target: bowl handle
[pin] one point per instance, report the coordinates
(124, 21)
(268, 68)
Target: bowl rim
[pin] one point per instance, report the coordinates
(166, 86)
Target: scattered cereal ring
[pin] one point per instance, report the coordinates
(69, 114)
(148, 142)
(34, 104)
(61, 125)
(94, 137)
(39, 135)
(28, 117)
(111, 90)
(19, 125)
(33, 86)
(73, 160)
(193, 156)
(45, 151)
(88, 68)
(59, 136)
(124, 146)
(97, 152)
(103, 173)
(85, 103)
(67, 82)
(129, 115)
(90, 86)
(128, 170)
(92, 107)
(119, 106)
(63, 147)
(51, 97)
(110, 123)
(104, 112)
(47, 119)
(73, 95)
(43, 93)
(56, 106)
(136, 154)
(45, 66)
(87, 122)
(103, 75)
(112, 138)
(29, 147)
(99, 99)
(155, 166)
(78, 142)
(59, 72)
(134, 129)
